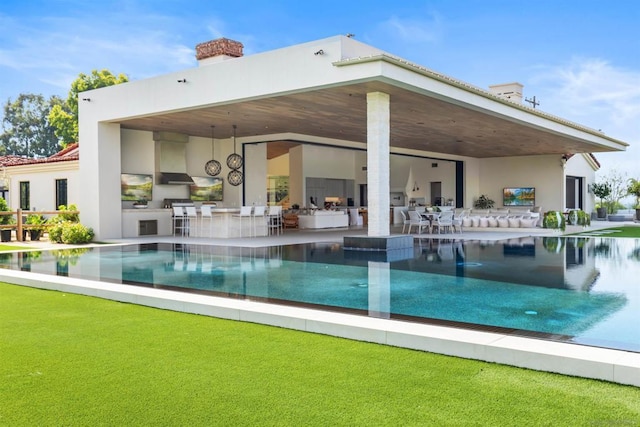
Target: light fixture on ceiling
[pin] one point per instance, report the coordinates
(212, 167)
(235, 162)
(415, 186)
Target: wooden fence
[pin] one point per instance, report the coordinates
(19, 220)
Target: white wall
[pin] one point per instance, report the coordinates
(582, 165)
(42, 184)
(545, 173)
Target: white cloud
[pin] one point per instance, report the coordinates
(596, 93)
(414, 30)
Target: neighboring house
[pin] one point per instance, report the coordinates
(332, 118)
(41, 184)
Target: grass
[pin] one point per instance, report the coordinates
(75, 360)
(624, 231)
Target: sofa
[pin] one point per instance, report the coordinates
(511, 217)
(324, 219)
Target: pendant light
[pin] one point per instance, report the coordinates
(234, 161)
(212, 167)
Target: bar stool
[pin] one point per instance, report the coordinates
(274, 218)
(192, 220)
(245, 212)
(259, 213)
(205, 214)
(179, 221)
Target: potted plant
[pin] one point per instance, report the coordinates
(5, 233)
(483, 202)
(634, 190)
(554, 220)
(36, 224)
(601, 190)
(140, 203)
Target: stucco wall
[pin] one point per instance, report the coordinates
(42, 184)
(545, 173)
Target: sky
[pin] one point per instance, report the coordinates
(580, 59)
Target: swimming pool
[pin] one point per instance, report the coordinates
(580, 290)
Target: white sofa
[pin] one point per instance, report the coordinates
(501, 217)
(324, 219)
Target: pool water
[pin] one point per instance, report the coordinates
(581, 290)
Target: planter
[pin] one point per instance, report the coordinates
(5, 235)
(135, 206)
(638, 214)
(35, 234)
(602, 213)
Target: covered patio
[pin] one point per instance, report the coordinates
(331, 93)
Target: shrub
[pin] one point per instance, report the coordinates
(71, 217)
(76, 233)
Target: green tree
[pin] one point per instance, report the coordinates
(26, 128)
(64, 117)
(618, 184)
(633, 189)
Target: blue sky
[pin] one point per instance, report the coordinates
(579, 58)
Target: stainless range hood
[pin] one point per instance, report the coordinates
(171, 158)
(175, 178)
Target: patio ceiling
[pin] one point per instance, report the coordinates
(418, 122)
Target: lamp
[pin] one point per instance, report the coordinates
(563, 160)
(235, 177)
(235, 162)
(212, 167)
(415, 186)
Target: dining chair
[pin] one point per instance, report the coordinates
(415, 219)
(405, 220)
(443, 221)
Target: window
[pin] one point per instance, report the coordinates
(25, 199)
(61, 192)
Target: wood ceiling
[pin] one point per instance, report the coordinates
(418, 122)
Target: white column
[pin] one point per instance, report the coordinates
(378, 129)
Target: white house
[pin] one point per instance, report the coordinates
(331, 116)
(41, 184)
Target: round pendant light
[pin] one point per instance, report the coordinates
(235, 177)
(212, 167)
(234, 161)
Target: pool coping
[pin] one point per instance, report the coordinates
(617, 366)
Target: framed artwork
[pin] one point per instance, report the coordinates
(519, 196)
(136, 186)
(206, 189)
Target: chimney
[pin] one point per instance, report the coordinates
(218, 50)
(509, 91)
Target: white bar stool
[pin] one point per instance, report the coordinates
(245, 212)
(179, 221)
(206, 215)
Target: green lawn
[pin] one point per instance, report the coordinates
(624, 231)
(76, 360)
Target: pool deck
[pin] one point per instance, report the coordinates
(565, 358)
